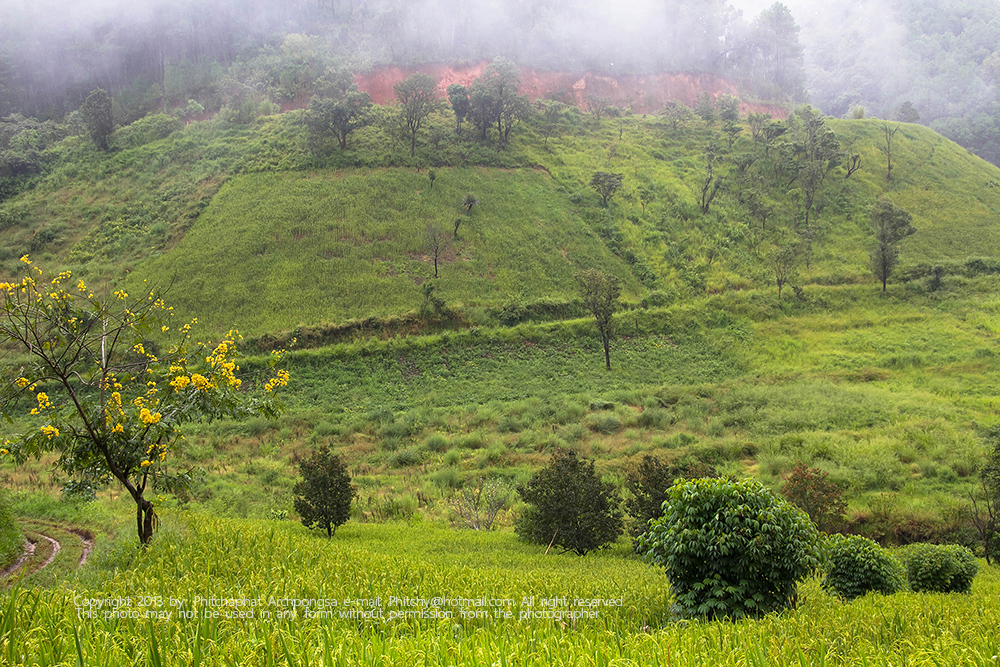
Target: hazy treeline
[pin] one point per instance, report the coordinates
(942, 56)
(51, 57)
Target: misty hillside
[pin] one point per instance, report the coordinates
(931, 61)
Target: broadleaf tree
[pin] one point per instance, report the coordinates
(891, 225)
(416, 102)
(108, 381)
(569, 506)
(606, 184)
(323, 496)
(98, 116)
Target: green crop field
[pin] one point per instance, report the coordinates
(233, 592)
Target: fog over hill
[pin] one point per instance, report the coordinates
(841, 57)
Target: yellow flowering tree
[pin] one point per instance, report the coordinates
(98, 384)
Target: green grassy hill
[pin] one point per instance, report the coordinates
(274, 251)
(291, 240)
(892, 396)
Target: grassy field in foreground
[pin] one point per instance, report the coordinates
(364, 567)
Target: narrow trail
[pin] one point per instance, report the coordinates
(27, 563)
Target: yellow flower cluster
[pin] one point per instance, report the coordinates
(180, 382)
(63, 275)
(280, 379)
(43, 403)
(22, 382)
(50, 431)
(219, 359)
(201, 382)
(152, 452)
(149, 418)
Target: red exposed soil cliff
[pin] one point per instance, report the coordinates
(644, 93)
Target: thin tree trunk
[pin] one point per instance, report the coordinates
(607, 352)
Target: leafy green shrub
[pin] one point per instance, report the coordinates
(11, 540)
(857, 565)
(323, 497)
(939, 568)
(731, 549)
(569, 506)
(809, 490)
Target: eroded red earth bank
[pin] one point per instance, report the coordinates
(644, 93)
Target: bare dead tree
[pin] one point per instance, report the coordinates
(478, 505)
(889, 132)
(435, 244)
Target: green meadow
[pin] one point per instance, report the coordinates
(280, 250)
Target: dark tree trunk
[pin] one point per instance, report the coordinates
(145, 519)
(607, 351)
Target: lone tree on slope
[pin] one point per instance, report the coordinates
(600, 293)
(606, 184)
(891, 225)
(569, 506)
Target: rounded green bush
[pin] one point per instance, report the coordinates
(568, 505)
(939, 568)
(857, 565)
(731, 549)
